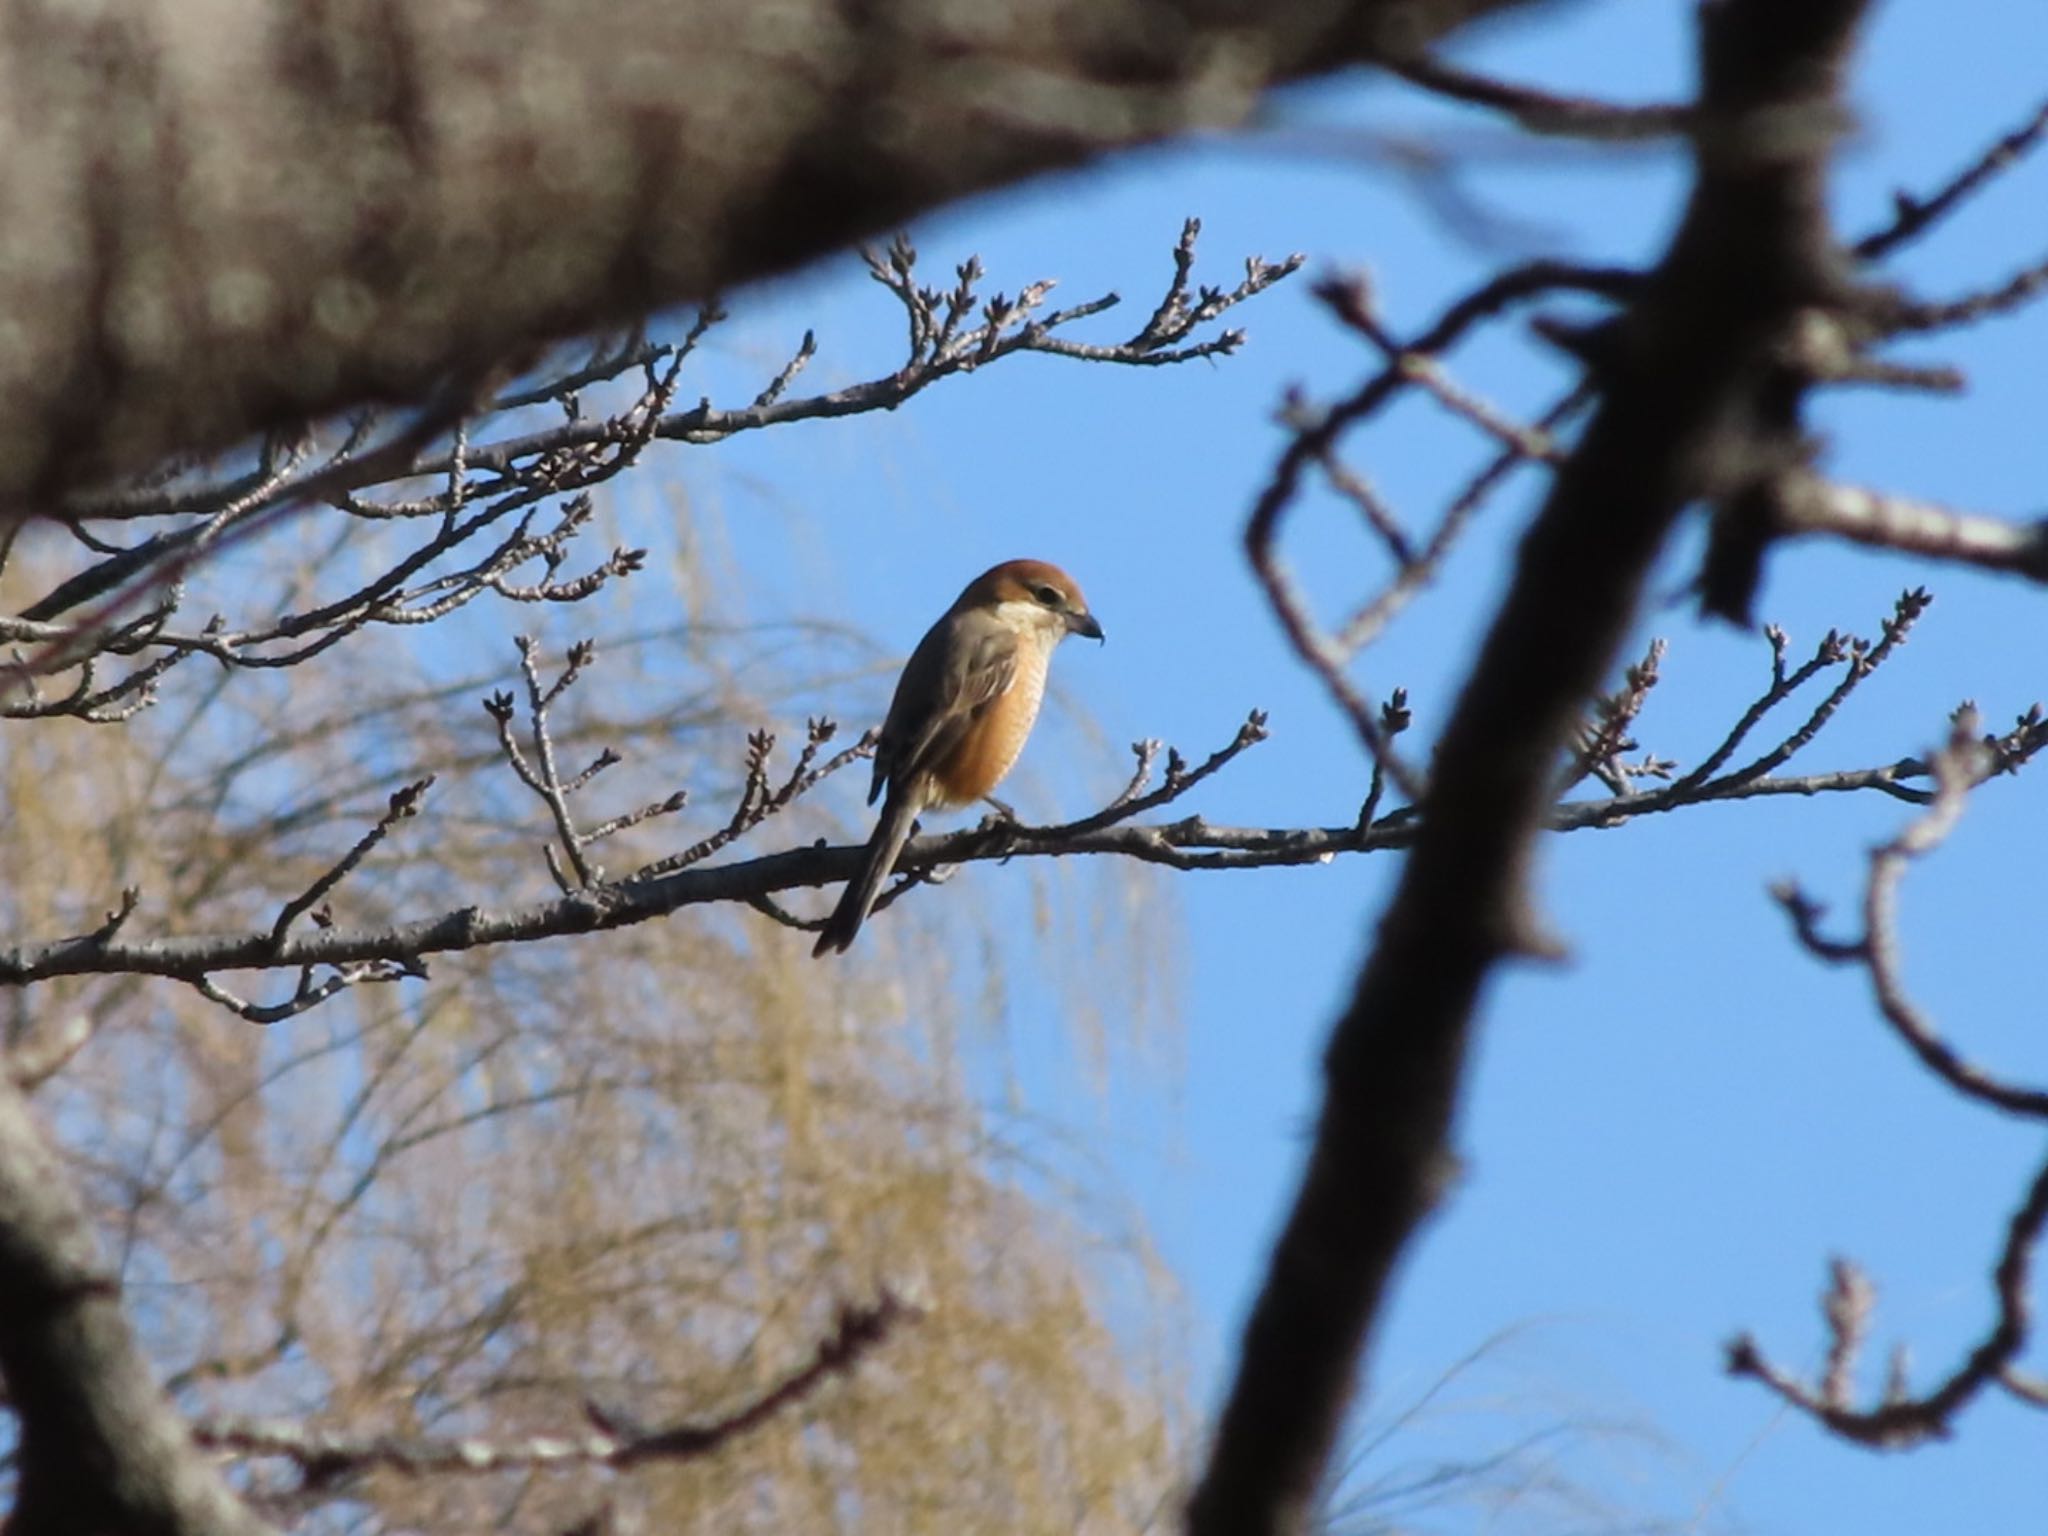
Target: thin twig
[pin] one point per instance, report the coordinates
(1544, 112)
(404, 803)
(1914, 216)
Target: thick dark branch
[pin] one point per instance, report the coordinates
(100, 1449)
(1753, 249)
(748, 139)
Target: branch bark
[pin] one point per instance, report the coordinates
(102, 1453)
(1753, 246)
(1807, 504)
(232, 215)
(1191, 843)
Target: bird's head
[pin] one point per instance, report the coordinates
(1037, 595)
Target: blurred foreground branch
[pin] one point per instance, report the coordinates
(235, 220)
(1674, 378)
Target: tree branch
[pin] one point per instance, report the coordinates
(1904, 1419)
(325, 1456)
(1191, 843)
(1543, 112)
(100, 1448)
(1913, 216)
(185, 292)
(1754, 247)
(498, 475)
(1965, 763)
(1807, 504)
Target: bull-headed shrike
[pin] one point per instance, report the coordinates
(966, 701)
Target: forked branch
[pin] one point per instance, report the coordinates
(1902, 1416)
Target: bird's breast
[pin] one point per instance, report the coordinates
(989, 748)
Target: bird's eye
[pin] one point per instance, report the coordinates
(1050, 596)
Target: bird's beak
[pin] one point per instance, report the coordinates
(1083, 623)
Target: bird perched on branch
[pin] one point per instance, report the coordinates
(965, 703)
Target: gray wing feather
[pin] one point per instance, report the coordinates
(965, 662)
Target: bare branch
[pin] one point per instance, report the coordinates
(1600, 747)
(1806, 503)
(326, 1456)
(757, 800)
(404, 803)
(1831, 651)
(1002, 835)
(1914, 216)
(1965, 763)
(1543, 112)
(484, 485)
(1349, 298)
(2028, 1388)
(119, 583)
(1178, 780)
(307, 996)
(1902, 1419)
(669, 884)
(1864, 659)
(1850, 1301)
(1413, 576)
(939, 350)
(1315, 442)
(2021, 288)
(545, 779)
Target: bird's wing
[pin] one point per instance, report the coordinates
(963, 665)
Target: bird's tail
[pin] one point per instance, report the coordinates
(899, 815)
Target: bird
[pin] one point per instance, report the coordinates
(966, 701)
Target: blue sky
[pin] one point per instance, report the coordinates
(1667, 1138)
